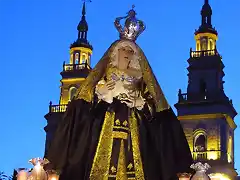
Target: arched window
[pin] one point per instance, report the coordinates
(72, 92)
(77, 58)
(83, 59)
(200, 147)
(200, 143)
(205, 20)
(203, 44)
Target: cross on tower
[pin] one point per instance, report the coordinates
(87, 0)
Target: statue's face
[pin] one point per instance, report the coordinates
(125, 55)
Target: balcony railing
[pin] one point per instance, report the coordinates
(207, 155)
(196, 54)
(183, 97)
(57, 108)
(75, 67)
(199, 156)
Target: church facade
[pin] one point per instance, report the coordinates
(205, 111)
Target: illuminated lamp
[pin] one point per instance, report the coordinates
(219, 176)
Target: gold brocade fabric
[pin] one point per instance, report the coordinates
(136, 147)
(102, 157)
(152, 84)
(86, 90)
(122, 167)
(118, 152)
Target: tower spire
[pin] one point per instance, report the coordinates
(206, 25)
(83, 26)
(84, 9)
(82, 31)
(206, 14)
(206, 34)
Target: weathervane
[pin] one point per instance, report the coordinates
(133, 27)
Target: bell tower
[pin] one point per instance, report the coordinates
(79, 65)
(205, 111)
(73, 74)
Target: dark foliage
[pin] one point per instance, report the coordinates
(3, 176)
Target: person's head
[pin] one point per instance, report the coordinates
(125, 55)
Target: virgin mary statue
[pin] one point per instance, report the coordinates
(119, 124)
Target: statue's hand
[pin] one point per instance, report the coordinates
(104, 87)
(110, 85)
(139, 103)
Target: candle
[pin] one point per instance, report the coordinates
(183, 178)
(22, 175)
(52, 175)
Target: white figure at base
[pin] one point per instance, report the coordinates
(200, 171)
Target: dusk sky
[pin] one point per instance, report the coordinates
(35, 36)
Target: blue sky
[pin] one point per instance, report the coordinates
(34, 41)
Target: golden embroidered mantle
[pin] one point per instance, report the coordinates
(86, 91)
